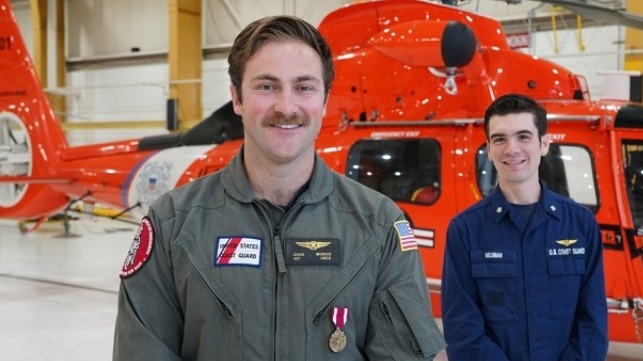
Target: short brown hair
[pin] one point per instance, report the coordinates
(277, 28)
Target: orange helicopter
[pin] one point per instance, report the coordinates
(413, 79)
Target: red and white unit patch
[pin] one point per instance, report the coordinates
(140, 250)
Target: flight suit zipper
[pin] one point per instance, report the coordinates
(274, 231)
(281, 268)
(278, 250)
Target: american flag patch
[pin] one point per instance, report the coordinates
(405, 235)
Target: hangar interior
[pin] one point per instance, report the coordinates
(113, 68)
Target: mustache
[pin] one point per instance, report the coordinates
(276, 118)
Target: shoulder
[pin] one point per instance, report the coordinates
(356, 202)
(203, 192)
(568, 204)
(475, 210)
(349, 194)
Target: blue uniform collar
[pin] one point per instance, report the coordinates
(500, 206)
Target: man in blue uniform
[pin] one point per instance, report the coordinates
(523, 269)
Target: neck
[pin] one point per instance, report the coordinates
(521, 193)
(278, 183)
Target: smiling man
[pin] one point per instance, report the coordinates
(275, 257)
(523, 268)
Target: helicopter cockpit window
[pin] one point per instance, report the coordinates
(566, 169)
(633, 166)
(406, 170)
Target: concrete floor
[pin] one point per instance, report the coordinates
(58, 294)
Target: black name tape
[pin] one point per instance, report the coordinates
(313, 252)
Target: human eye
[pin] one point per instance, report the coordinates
(307, 84)
(305, 88)
(264, 83)
(497, 140)
(265, 87)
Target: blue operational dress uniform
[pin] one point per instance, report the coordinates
(520, 290)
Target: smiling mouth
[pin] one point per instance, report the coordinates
(514, 162)
(286, 125)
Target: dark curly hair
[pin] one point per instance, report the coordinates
(517, 103)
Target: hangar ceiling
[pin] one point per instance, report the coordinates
(605, 14)
(531, 15)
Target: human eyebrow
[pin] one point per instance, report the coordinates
(495, 136)
(525, 133)
(307, 78)
(265, 83)
(262, 77)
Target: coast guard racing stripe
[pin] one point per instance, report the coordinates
(238, 251)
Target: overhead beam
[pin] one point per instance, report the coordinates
(601, 13)
(57, 100)
(634, 40)
(566, 20)
(39, 22)
(185, 59)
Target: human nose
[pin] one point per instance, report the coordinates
(286, 103)
(512, 146)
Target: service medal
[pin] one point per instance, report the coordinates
(337, 340)
(339, 316)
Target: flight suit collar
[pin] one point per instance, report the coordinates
(500, 206)
(235, 179)
(236, 183)
(321, 182)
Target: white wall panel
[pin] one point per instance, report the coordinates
(135, 92)
(224, 19)
(216, 84)
(99, 28)
(601, 52)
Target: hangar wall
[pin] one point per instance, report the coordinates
(117, 52)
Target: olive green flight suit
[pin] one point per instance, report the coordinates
(198, 298)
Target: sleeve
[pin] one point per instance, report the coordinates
(149, 320)
(401, 325)
(589, 339)
(462, 319)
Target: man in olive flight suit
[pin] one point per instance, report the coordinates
(276, 257)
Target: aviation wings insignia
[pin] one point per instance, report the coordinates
(566, 242)
(312, 245)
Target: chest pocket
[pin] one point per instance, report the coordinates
(565, 275)
(496, 283)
